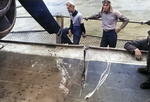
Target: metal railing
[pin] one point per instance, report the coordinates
(43, 37)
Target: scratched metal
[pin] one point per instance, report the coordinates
(121, 85)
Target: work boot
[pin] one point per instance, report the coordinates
(145, 85)
(143, 71)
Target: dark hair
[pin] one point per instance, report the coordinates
(106, 2)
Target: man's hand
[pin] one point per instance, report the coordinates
(70, 34)
(117, 30)
(83, 35)
(138, 54)
(86, 18)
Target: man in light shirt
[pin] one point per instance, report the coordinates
(109, 21)
(76, 25)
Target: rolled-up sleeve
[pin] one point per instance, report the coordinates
(95, 16)
(122, 18)
(80, 17)
(132, 45)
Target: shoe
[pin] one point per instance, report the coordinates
(145, 85)
(59, 33)
(143, 71)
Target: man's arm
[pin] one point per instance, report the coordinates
(95, 16)
(123, 19)
(70, 28)
(71, 25)
(131, 46)
(82, 24)
(140, 44)
(83, 28)
(136, 46)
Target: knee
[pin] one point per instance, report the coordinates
(65, 31)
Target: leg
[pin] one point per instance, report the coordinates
(112, 38)
(146, 85)
(145, 70)
(64, 37)
(104, 40)
(148, 61)
(76, 34)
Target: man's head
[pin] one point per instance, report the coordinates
(106, 6)
(70, 7)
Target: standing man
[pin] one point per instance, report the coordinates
(135, 47)
(109, 20)
(76, 25)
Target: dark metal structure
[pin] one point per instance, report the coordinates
(7, 16)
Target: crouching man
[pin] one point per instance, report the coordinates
(76, 26)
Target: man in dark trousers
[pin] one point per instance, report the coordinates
(135, 47)
(76, 26)
(109, 21)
